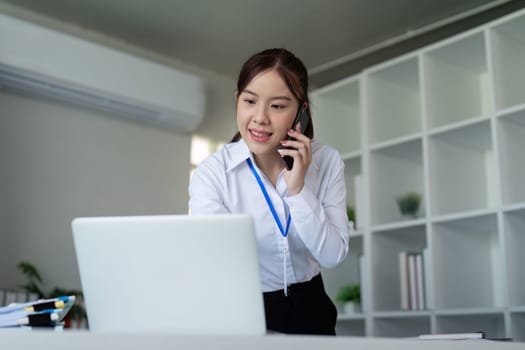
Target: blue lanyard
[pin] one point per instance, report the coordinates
(284, 232)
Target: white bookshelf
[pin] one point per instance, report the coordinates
(468, 260)
(400, 325)
(456, 81)
(448, 122)
(514, 230)
(492, 323)
(393, 102)
(461, 169)
(394, 171)
(342, 103)
(386, 246)
(511, 133)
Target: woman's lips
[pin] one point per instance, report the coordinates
(259, 135)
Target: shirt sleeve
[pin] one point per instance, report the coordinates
(205, 191)
(321, 220)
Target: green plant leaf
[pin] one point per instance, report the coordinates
(349, 292)
(30, 271)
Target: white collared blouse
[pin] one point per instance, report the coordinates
(319, 229)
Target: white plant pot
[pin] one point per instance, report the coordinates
(351, 308)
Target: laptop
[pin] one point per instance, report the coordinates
(171, 273)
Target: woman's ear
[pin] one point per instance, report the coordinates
(236, 95)
(304, 106)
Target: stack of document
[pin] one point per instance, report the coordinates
(39, 313)
(453, 336)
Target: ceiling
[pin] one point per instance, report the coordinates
(330, 36)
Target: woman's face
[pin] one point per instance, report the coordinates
(266, 109)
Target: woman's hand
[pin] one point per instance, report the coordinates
(302, 156)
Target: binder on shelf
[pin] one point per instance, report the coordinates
(403, 280)
(411, 281)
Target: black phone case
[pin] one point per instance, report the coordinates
(301, 117)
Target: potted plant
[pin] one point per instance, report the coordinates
(409, 204)
(350, 211)
(34, 285)
(349, 296)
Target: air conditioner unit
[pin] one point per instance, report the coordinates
(45, 62)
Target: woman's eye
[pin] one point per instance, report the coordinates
(278, 106)
(249, 101)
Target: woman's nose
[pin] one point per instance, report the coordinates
(261, 115)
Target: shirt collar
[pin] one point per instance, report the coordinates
(239, 153)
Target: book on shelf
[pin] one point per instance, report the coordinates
(38, 313)
(403, 280)
(411, 281)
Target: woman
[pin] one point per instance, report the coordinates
(300, 214)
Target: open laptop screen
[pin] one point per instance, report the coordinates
(177, 273)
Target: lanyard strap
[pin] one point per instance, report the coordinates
(284, 231)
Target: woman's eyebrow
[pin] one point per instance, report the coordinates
(272, 98)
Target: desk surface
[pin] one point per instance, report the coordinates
(80, 340)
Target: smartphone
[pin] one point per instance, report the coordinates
(303, 118)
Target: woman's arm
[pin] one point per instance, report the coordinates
(205, 191)
(320, 219)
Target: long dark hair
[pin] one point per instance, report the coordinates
(289, 67)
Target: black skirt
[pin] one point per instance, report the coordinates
(306, 309)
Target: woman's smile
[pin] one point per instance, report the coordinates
(260, 135)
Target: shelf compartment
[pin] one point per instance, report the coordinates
(349, 271)
(467, 259)
(355, 190)
(395, 171)
(353, 328)
(511, 138)
(393, 101)
(336, 114)
(514, 230)
(517, 321)
(456, 81)
(508, 53)
(401, 326)
(386, 246)
(493, 324)
(461, 170)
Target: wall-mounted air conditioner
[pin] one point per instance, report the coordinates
(57, 65)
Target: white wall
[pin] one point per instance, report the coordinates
(59, 162)
(220, 119)
(3, 202)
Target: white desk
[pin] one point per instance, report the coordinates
(78, 340)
